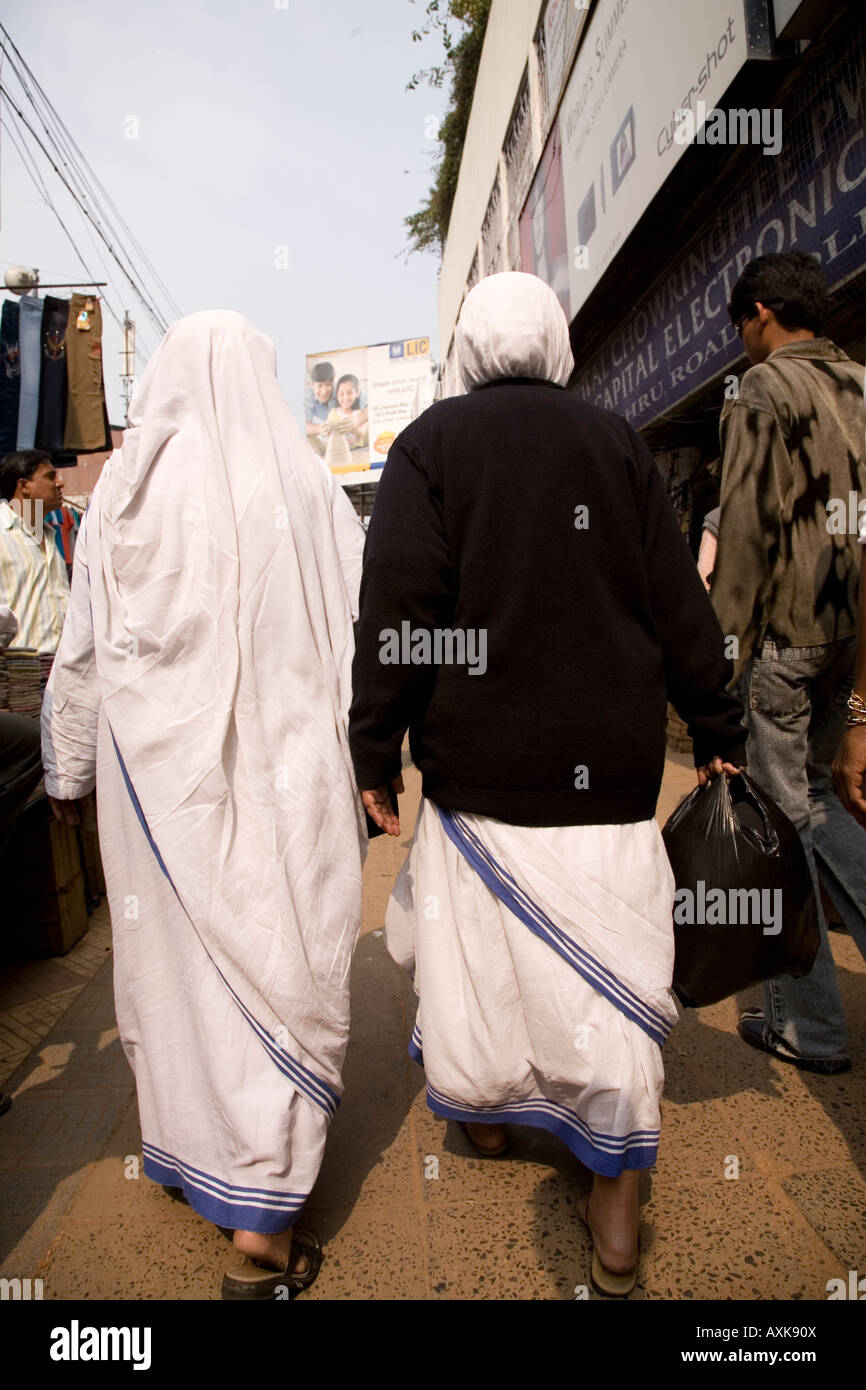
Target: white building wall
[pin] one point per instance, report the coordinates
(510, 30)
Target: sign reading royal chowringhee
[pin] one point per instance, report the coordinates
(811, 197)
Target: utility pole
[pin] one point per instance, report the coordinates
(127, 363)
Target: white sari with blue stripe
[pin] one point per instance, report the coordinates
(543, 960)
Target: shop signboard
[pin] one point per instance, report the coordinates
(638, 64)
(810, 197)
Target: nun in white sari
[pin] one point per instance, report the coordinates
(542, 949)
(202, 684)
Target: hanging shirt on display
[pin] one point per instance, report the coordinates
(86, 417)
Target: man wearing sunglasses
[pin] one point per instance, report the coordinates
(786, 586)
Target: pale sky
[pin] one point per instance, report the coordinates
(258, 128)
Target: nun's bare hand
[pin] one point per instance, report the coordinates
(710, 771)
(67, 812)
(377, 804)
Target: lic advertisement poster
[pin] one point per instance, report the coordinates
(357, 400)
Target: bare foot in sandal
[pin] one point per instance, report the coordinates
(611, 1213)
(492, 1139)
(273, 1250)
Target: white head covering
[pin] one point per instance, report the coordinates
(223, 565)
(512, 324)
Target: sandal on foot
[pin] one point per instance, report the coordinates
(485, 1153)
(256, 1280)
(604, 1281)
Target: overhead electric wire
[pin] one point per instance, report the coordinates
(68, 150)
(60, 149)
(32, 170)
(149, 308)
(73, 158)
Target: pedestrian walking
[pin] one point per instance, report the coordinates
(526, 535)
(785, 586)
(203, 683)
(33, 579)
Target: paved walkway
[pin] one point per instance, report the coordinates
(406, 1210)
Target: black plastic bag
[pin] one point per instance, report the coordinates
(745, 906)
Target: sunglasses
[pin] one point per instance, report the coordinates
(739, 324)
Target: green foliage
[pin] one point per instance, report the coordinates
(428, 227)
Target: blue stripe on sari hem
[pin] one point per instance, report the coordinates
(218, 1185)
(306, 1081)
(640, 1152)
(592, 971)
(238, 1213)
(610, 1143)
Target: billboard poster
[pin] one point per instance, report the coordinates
(357, 400)
(543, 234)
(638, 64)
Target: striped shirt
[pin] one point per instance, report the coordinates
(33, 582)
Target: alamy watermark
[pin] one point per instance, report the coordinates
(436, 646)
(34, 513)
(77, 1343)
(845, 515)
(854, 1289)
(20, 1289)
(721, 907)
(738, 126)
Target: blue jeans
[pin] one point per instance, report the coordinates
(30, 349)
(795, 699)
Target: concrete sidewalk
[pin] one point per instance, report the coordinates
(404, 1207)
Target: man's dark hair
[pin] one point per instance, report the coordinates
(21, 465)
(323, 371)
(790, 283)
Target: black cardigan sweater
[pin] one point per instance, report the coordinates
(523, 517)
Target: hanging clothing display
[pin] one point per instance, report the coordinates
(87, 427)
(10, 377)
(52, 395)
(51, 423)
(30, 345)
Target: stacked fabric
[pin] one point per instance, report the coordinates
(46, 661)
(23, 671)
(4, 683)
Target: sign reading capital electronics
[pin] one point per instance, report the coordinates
(638, 63)
(811, 197)
(357, 400)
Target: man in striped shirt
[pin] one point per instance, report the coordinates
(33, 579)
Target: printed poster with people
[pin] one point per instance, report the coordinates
(357, 400)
